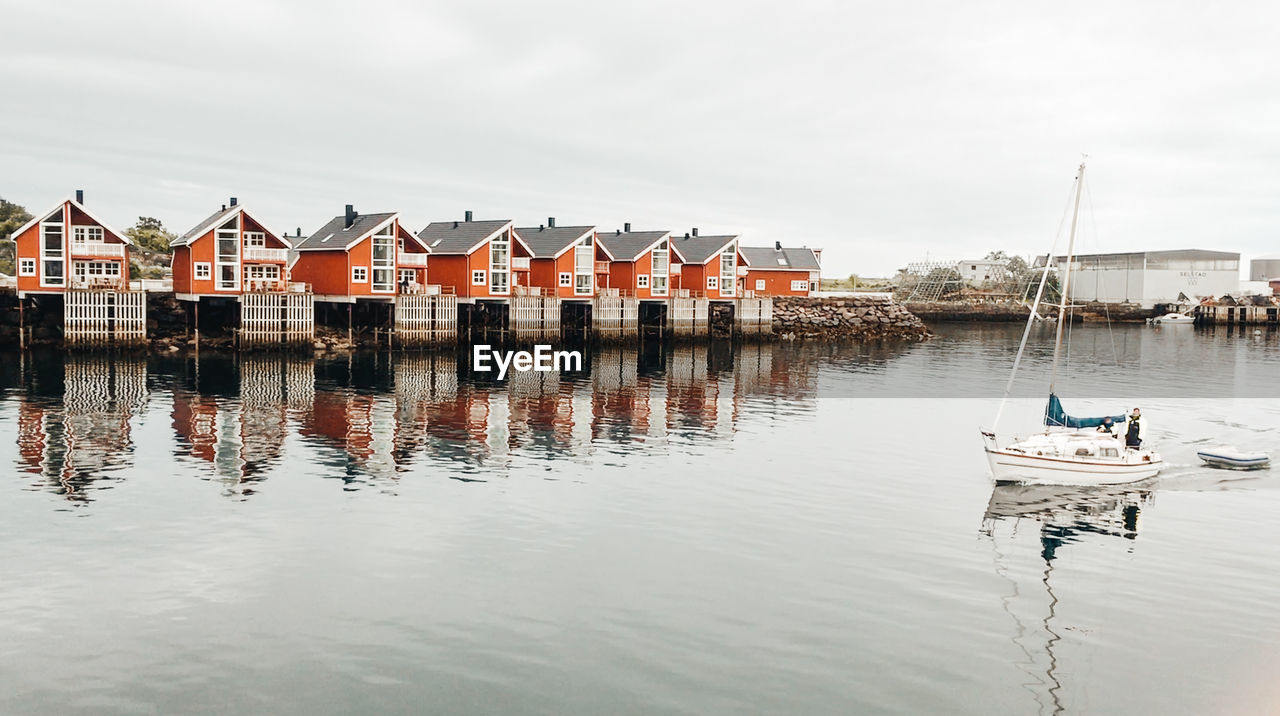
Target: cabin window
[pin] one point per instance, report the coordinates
(408, 277)
(262, 272)
(728, 269)
(359, 274)
(759, 284)
(583, 266)
(51, 251)
(660, 263)
(1083, 452)
(712, 282)
(26, 267)
(1110, 452)
(799, 285)
(566, 279)
(477, 277)
(255, 240)
(500, 263)
(227, 255)
(84, 234)
(384, 258)
(642, 281)
(203, 270)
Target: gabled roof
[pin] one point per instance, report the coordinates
(549, 242)
(337, 236)
(760, 257)
(70, 200)
(630, 245)
(218, 218)
(701, 249)
(464, 237)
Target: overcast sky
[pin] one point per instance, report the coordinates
(881, 132)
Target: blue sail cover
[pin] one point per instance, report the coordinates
(1055, 416)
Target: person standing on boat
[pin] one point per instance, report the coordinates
(1133, 432)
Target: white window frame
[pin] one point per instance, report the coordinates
(58, 255)
(713, 283)
(404, 274)
(27, 267)
(729, 272)
(500, 264)
(642, 280)
(86, 234)
(800, 285)
(479, 277)
(383, 238)
(660, 269)
(255, 240)
(203, 271)
(359, 274)
(566, 279)
(584, 265)
(265, 272)
(760, 284)
(222, 261)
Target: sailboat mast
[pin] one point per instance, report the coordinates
(1066, 278)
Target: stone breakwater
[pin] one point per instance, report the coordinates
(1012, 312)
(854, 317)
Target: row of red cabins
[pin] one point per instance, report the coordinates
(374, 256)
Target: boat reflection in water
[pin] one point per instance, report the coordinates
(1062, 516)
(366, 419)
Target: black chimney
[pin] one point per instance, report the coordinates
(224, 207)
(233, 201)
(695, 231)
(777, 246)
(686, 234)
(551, 222)
(627, 227)
(617, 232)
(79, 196)
(299, 231)
(351, 215)
(467, 216)
(541, 227)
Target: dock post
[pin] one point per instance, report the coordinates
(197, 323)
(348, 323)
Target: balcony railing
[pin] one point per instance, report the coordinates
(90, 248)
(413, 288)
(530, 291)
(675, 269)
(602, 267)
(265, 285)
(409, 259)
(258, 253)
(101, 282)
(742, 270)
(519, 263)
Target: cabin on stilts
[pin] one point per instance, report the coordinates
(68, 255)
(371, 272)
(563, 272)
(232, 260)
(486, 265)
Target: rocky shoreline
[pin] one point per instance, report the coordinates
(863, 317)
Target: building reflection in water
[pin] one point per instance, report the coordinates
(242, 433)
(373, 416)
(1062, 516)
(75, 419)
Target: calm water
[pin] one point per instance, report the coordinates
(784, 529)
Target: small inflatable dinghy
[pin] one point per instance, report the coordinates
(1228, 456)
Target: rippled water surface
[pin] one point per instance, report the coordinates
(778, 528)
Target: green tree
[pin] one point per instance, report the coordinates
(149, 233)
(12, 216)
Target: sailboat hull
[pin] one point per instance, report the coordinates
(1007, 466)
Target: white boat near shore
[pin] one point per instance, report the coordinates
(1173, 319)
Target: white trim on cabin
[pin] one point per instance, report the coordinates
(202, 267)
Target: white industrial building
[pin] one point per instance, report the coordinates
(1152, 277)
(1264, 268)
(980, 271)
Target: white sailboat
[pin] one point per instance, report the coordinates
(1070, 451)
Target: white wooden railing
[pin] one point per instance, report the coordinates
(408, 259)
(89, 248)
(603, 267)
(258, 253)
(100, 282)
(675, 269)
(519, 263)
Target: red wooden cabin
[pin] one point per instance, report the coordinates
(479, 259)
(709, 264)
(68, 247)
(781, 271)
(640, 262)
(563, 259)
(227, 254)
(358, 256)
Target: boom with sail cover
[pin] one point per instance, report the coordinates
(1056, 416)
